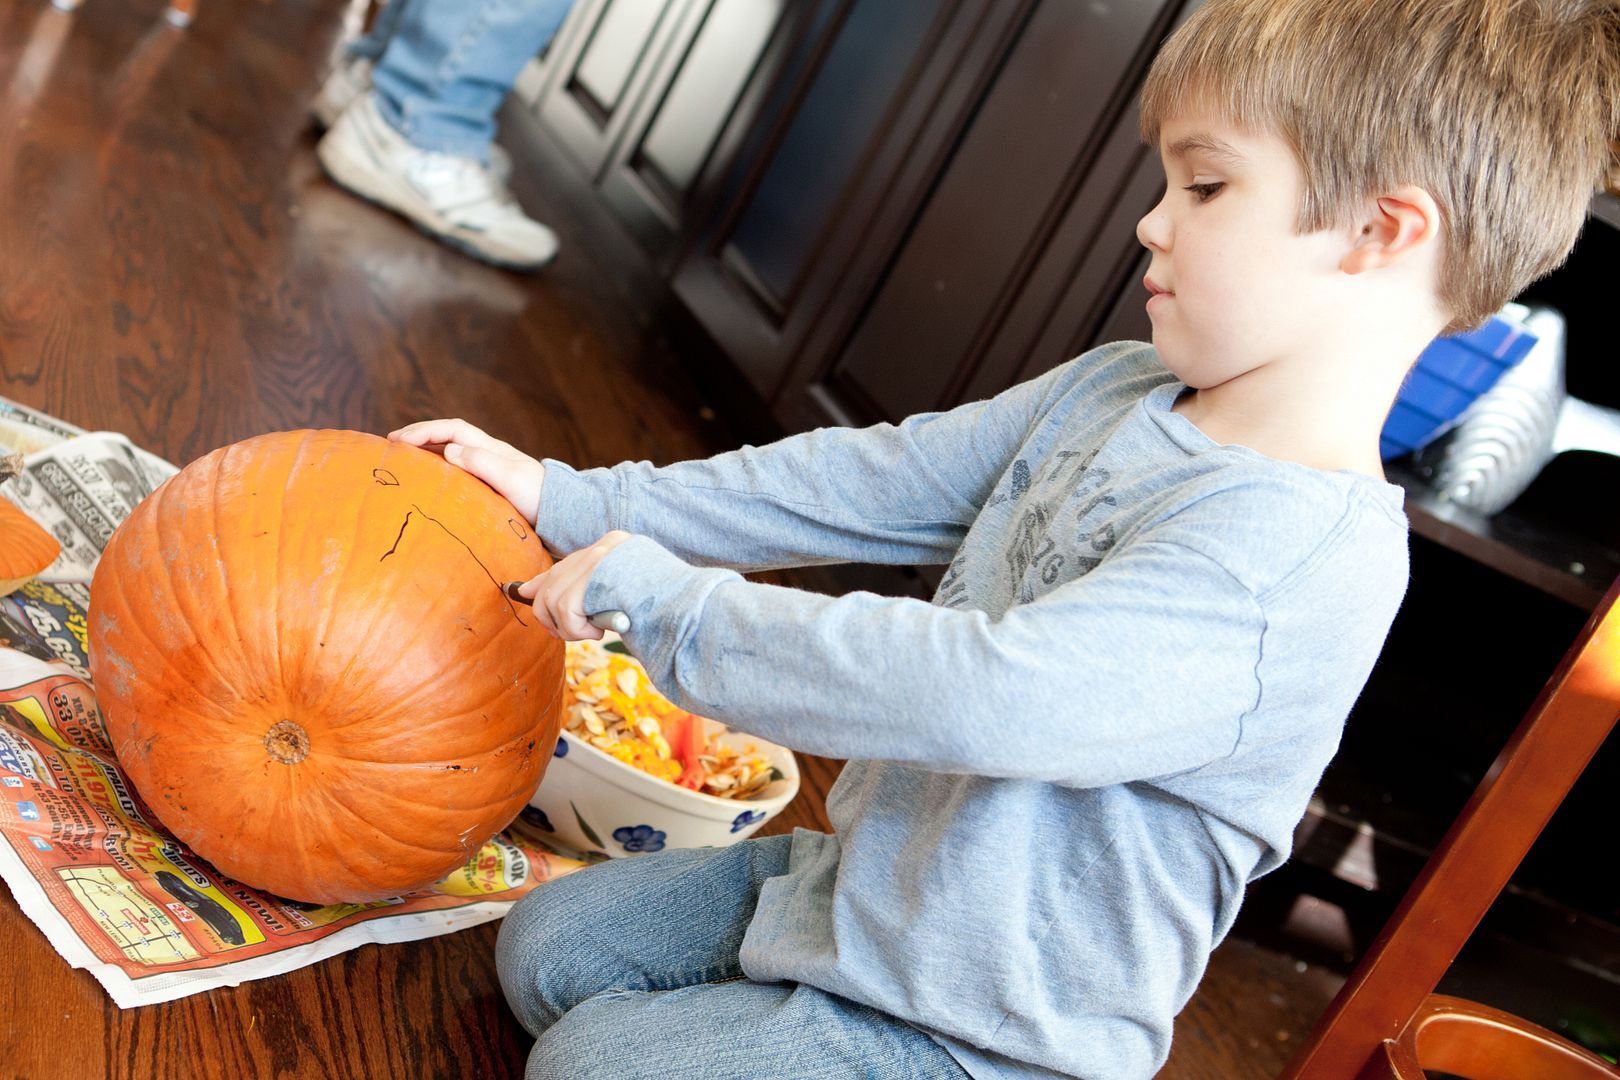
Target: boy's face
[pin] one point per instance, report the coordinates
(1233, 286)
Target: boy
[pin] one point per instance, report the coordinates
(1171, 569)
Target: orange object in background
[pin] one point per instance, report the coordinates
(684, 733)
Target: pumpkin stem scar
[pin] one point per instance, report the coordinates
(286, 742)
(500, 587)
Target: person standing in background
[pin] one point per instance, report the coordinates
(410, 118)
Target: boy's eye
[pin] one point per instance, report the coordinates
(1204, 192)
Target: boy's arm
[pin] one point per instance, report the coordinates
(1142, 668)
(897, 494)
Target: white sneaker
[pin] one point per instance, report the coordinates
(350, 78)
(453, 198)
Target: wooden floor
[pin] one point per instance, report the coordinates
(174, 267)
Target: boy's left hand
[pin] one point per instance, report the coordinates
(559, 593)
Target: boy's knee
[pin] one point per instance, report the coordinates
(589, 1044)
(542, 913)
(527, 949)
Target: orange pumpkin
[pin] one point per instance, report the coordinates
(308, 667)
(25, 547)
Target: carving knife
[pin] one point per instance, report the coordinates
(614, 620)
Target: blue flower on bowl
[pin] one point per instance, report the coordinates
(537, 817)
(639, 838)
(561, 749)
(747, 818)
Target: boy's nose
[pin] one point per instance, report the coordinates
(1153, 230)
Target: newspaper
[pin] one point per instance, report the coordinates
(24, 430)
(84, 857)
(80, 487)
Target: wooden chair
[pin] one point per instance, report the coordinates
(1387, 1023)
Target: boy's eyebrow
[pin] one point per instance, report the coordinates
(1207, 144)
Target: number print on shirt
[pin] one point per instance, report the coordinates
(1037, 555)
(1022, 553)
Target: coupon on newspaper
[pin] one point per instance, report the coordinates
(85, 858)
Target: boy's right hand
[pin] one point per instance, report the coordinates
(502, 466)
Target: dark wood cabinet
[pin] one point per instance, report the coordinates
(650, 97)
(873, 208)
(1014, 214)
(853, 143)
(604, 55)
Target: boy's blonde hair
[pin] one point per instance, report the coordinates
(1506, 111)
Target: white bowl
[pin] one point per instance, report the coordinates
(594, 803)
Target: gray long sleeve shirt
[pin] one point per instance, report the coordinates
(1067, 766)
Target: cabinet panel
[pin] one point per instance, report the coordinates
(1127, 319)
(797, 195)
(836, 170)
(688, 129)
(706, 90)
(615, 49)
(1097, 297)
(989, 221)
(1091, 265)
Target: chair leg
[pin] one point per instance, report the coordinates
(1565, 726)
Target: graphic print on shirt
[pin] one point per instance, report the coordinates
(1016, 487)
(1068, 476)
(952, 589)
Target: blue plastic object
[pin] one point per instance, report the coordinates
(1451, 373)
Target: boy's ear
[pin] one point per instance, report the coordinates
(1398, 224)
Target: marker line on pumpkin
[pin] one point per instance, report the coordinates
(474, 555)
(399, 537)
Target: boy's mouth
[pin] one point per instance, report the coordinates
(1154, 289)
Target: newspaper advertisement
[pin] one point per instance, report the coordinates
(79, 489)
(24, 430)
(85, 858)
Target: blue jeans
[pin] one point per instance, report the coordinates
(627, 970)
(444, 66)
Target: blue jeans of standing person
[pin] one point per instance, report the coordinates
(627, 970)
(442, 67)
